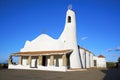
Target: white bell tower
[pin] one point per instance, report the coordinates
(69, 38)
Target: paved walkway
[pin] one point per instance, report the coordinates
(92, 74)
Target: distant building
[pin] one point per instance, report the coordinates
(46, 53)
(101, 62)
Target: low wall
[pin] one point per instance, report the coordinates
(48, 68)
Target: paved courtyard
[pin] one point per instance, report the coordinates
(92, 74)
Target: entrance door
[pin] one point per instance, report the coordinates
(68, 61)
(95, 63)
(44, 61)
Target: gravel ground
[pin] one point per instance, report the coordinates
(91, 74)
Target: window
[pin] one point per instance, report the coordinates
(69, 19)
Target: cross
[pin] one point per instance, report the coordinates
(70, 6)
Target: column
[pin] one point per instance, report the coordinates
(20, 60)
(29, 60)
(40, 60)
(64, 60)
(51, 60)
(10, 60)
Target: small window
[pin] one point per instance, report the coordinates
(69, 19)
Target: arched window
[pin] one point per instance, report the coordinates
(69, 19)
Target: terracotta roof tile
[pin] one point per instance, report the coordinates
(101, 56)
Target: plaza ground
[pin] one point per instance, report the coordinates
(91, 74)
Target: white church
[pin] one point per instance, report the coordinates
(62, 54)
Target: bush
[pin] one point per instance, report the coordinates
(119, 60)
(111, 65)
(3, 65)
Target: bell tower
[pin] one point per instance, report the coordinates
(69, 38)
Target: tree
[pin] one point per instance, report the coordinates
(119, 60)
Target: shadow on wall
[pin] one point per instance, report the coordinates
(112, 74)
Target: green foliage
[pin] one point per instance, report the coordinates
(111, 64)
(3, 65)
(119, 60)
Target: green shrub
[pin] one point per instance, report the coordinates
(119, 60)
(3, 65)
(111, 65)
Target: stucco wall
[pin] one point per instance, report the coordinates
(91, 60)
(87, 60)
(82, 54)
(43, 43)
(102, 62)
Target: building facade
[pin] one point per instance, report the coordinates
(46, 53)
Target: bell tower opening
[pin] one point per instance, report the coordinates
(69, 19)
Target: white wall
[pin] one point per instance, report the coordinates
(69, 38)
(91, 60)
(102, 62)
(87, 60)
(82, 54)
(49, 68)
(24, 60)
(43, 43)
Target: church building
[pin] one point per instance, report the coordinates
(62, 54)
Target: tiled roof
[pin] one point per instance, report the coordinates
(101, 56)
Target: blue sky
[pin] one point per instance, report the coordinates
(98, 24)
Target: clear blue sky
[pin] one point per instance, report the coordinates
(98, 24)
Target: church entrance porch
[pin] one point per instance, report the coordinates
(42, 60)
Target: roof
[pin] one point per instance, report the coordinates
(79, 47)
(37, 53)
(101, 56)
